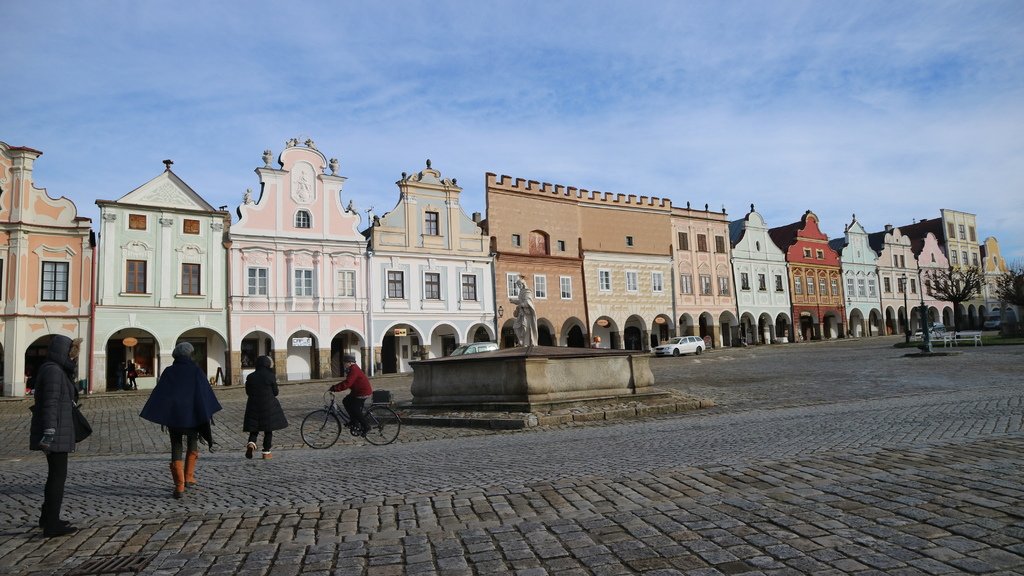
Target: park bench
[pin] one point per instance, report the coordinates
(955, 338)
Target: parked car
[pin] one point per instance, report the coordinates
(475, 348)
(992, 322)
(681, 345)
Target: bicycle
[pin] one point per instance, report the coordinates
(321, 428)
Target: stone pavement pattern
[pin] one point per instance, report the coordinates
(781, 477)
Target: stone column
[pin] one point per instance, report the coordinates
(325, 363)
(235, 359)
(280, 364)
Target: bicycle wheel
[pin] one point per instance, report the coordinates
(384, 425)
(320, 429)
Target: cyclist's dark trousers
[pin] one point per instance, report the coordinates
(268, 439)
(190, 435)
(354, 406)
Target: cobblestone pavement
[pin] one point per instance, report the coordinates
(820, 458)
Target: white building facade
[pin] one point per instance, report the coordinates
(859, 264)
(762, 286)
(430, 275)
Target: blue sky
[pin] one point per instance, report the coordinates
(890, 110)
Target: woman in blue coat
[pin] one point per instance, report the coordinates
(52, 429)
(263, 412)
(183, 401)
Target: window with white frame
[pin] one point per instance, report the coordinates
(604, 280)
(432, 286)
(631, 281)
(469, 287)
(798, 285)
(744, 281)
(705, 284)
(810, 285)
(952, 257)
(861, 288)
(510, 284)
(303, 281)
(55, 281)
(779, 287)
(685, 284)
(823, 287)
(303, 219)
(872, 287)
(657, 282)
(396, 284)
(540, 286)
(723, 285)
(762, 282)
(346, 283)
(565, 284)
(256, 281)
(849, 287)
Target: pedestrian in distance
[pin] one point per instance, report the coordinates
(184, 403)
(121, 375)
(52, 430)
(359, 389)
(132, 374)
(263, 411)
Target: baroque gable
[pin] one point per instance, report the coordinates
(167, 190)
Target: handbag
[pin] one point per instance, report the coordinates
(82, 427)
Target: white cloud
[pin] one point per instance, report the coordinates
(892, 111)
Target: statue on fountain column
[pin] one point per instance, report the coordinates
(525, 324)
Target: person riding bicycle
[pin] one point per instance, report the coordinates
(359, 390)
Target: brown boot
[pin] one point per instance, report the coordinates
(178, 474)
(190, 468)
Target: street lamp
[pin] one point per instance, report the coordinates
(906, 308)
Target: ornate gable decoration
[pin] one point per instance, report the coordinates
(303, 183)
(166, 190)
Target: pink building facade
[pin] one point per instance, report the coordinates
(297, 270)
(46, 271)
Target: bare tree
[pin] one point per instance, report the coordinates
(955, 285)
(1010, 285)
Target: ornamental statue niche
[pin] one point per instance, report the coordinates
(525, 324)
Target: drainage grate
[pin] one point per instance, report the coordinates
(112, 565)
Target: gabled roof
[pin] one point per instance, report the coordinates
(837, 244)
(918, 230)
(785, 236)
(167, 190)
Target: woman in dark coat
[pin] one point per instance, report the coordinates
(52, 429)
(183, 402)
(263, 412)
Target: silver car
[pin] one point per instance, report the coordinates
(681, 345)
(474, 348)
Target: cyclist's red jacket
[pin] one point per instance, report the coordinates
(357, 381)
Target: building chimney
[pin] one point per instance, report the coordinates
(476, 217)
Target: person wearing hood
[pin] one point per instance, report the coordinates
(52, 430)
(263, 412)
(183, 401)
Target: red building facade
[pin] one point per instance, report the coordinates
(815, 280)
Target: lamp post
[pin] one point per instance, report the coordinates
(906, 308)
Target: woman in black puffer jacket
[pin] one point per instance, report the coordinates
(52, 429)
(263, 412)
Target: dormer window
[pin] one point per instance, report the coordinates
(303, 219)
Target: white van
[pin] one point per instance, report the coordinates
(992, 322)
